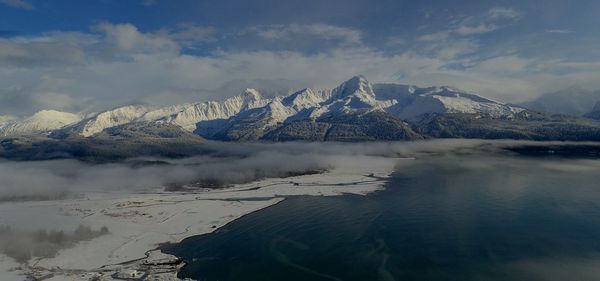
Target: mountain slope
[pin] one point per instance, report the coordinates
(186, 116)
(351, 97)
(349, 112)
(538, 127)
(6, 120)
(305, 99)
(254, 123)
(367, 126)
(595, 113)
(445, 100)
(251, 117)
(189, 117)
(356, 110)
(356, 93)
(108, 119)
(116, 143)
(41, 122)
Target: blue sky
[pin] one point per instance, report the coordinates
(92, 55)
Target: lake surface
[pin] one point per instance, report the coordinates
(468, 217)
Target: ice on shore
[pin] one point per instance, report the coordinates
(138, 223)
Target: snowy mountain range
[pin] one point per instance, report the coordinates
(250, 116)
(356, 110)
(41, 122)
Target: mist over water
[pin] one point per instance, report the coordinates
(471, 216)
(450, 183)
(222, 163)
(31, 233)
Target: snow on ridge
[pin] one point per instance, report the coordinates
(191, 115)
(185, 116)
(356, 94)
(356, 86)
(42, 121)
(305, 98)
(464, 105)
(113, 118)
(413, 102)
(5, 119)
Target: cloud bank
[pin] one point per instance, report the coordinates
(117, 63)
(18, 4)
(226, 163)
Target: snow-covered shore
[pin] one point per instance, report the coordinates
(139, 222)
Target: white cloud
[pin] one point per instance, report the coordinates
(190, 33)
(492, 20)
(149, 2)
(122, 64)
(48, 49)
(323, 31)
(126, 37)
(396, 41)
(476, 29)
(505, 65)
(560, 31)
(503, 13)
(455, 49)
(19, 4)
(437, 36)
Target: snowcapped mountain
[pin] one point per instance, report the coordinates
(357, 91)
(442, 100)
(352, 95)
(252, 124)
(108, 119)
(5, 119)
(186, 116)
(305, 99)
(346, 106)
(41, 122)
(250, 116)
(189, 116)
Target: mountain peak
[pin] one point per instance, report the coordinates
(252, 94)
(41, 122)
(303, 99)
(252, 99)
(355, 86)
(360, 78)
(111, 118)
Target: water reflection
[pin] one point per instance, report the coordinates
(448, 217)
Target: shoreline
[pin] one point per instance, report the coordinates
(139, 224)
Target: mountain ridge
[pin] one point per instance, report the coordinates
(353, 111)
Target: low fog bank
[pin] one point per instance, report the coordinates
(56, 179)
(23, 245)
(229, 163)
(221, 164)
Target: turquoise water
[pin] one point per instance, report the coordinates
(468, 217)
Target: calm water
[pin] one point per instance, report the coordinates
(441, 218)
